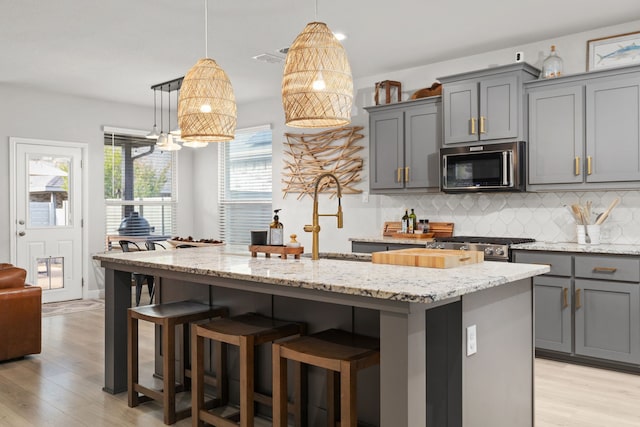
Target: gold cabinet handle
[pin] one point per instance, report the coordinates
(609, 270)
(578, 302)
(565, 297)
(577, 166)
(406, 174)
(473, 125)
(588, 165)
(482, 120)
(399, 177)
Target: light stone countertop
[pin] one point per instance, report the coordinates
(389, 282)
(611, 249)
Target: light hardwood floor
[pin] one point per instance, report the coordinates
(62, 386)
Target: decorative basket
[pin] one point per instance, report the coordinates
(434, 90)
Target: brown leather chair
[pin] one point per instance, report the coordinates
(20, 314)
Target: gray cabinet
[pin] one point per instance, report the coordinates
(556, 135)
(612, 132)
(553, 295)
(553, 302)
(369, 247)
(404, 143)
(485, 105)
(588, 306)
(607, 320)
(607, 307)
(584, 131)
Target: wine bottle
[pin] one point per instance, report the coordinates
(413, 222)
(405, 222)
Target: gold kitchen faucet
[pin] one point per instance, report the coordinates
(315, 227)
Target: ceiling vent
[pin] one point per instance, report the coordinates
(270, 58)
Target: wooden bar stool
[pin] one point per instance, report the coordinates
(245, 331)
(343, 354)
(168, 316)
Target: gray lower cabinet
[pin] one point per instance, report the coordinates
(553, 302)
(404, 144)
(584, 131)
(588, 306)
(485, 105)
(607, 320)
(369, 247)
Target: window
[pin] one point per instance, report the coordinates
(245, 184)
(139, 188)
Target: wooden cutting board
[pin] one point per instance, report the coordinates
(432, 258)
(439, 229)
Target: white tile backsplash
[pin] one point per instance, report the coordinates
(541, 216)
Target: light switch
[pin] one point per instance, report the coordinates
(472, 340)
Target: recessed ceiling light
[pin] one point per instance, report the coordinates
(340, 36)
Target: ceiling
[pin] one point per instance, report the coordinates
(116, 49)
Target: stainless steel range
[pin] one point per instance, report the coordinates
(494, 248)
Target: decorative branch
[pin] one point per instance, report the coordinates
(309, 155)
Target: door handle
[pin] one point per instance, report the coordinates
(473, 125)
(589, 165)
(406, 174)
(577, 166)
(482, 120)
(22, 233)
(578, 302)
(565, 297)
(399, 177)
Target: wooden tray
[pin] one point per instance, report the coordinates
(413, 235)
(439, 229)
(433, 258)
(283, 251)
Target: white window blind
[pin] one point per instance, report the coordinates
(245, 184)
(139, 182)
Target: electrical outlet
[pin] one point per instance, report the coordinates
(472, 340)
(365, 197)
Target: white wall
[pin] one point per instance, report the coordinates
(540, 216)
(31, 113)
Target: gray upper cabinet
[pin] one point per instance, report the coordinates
(584, 131)
(613, 120)
(556, 136)
(404, 144)
(485, 105)
(386, 145)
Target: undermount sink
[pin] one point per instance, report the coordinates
(342, 256)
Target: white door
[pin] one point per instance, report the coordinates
(48, 216)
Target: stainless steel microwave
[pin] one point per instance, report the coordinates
(487, 167)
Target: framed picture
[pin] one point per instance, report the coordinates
(613, 51)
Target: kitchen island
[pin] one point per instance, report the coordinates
(421, 315)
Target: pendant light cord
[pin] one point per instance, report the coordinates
(316, 10)
(155, 110)
(206, 29)
(161, 115)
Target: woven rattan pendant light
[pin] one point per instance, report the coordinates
(207, 106)
(317, 87)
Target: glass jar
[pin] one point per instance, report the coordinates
(552, 65)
